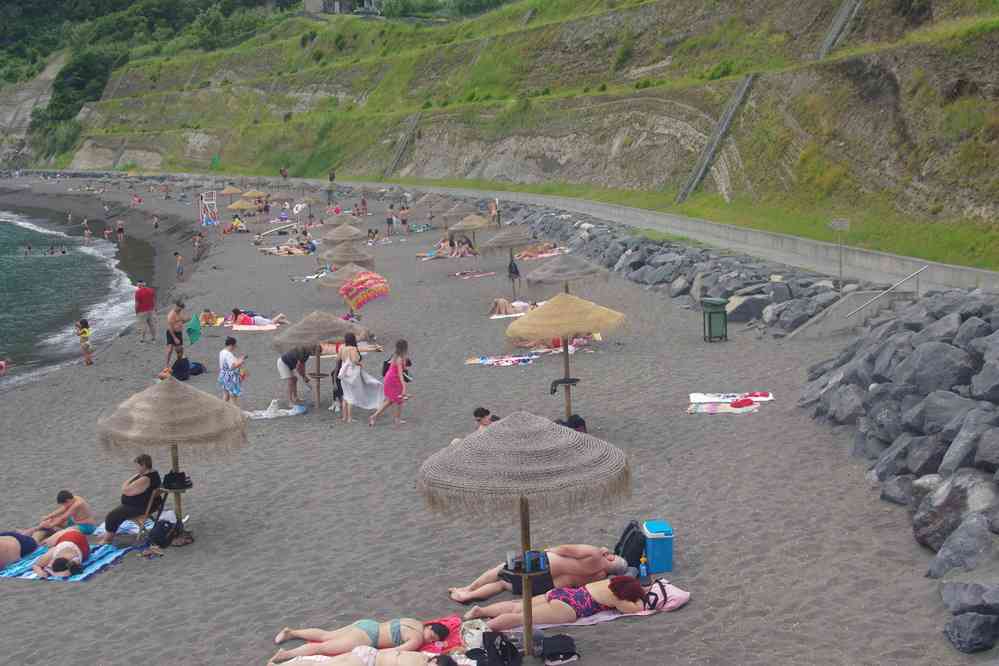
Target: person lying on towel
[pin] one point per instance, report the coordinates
(571, 565)
(502, 306)
(241, 318)
(565, 605)
(369, 656)
(404, 633)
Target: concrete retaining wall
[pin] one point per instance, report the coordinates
(833, 320)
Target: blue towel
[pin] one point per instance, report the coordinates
(100, 558)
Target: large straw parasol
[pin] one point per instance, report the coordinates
(349, 253)
(343, 233)
(311, 332)
(231, 191)
(471, 223)
(563, 269)
(283, 196)
(565, 316)
(520, 460)
(242, 204)
(331, 282)
(171, 414)
(254, 194)
(510, 239)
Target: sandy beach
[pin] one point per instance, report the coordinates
(788, 554)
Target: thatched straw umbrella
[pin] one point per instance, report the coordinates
(471, 223)
(510, 239)
(520, 460)
(171, 414)
(565, 316)
(231, 191)
(349, 253)
(283, 196)
(564, 269)
(254, 194)
(242, 204)
(311, 332)
(343, 233)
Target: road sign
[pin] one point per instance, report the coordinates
(840, 225)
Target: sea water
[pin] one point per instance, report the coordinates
(43, 294)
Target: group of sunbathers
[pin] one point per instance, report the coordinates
(64, 531)
(581, 581)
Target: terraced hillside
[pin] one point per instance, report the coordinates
(611, 99)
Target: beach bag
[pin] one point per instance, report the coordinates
(631, 545)
(164, 531)
(500, 651)
(559, 649)
(197, 368)
(472, 632)
(181, 369)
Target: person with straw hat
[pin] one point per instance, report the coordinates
(565, 605)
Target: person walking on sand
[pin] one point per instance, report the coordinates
(145, 305)
(120, 231)
(176, 320)
(395, 384)
(364, 206)
(332, 188)
(230, 372)
(156, 222)
(359, 388)
(83, 331)
(179, 258)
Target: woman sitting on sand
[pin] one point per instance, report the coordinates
(404, 633)
(565, 605)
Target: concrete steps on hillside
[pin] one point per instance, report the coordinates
(403, 144)
(710, 151)
(847, 11)
(833, 321)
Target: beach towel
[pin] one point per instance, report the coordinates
(250, 327)
(468, 275)
(218, 321)
(503, 361)
(453, 641)
(273, 411)
(755, 396)
(461, 660)
(674, 599)
(100, 558)
(307, 278)
(509, 316)
(721, 408)
(194, 330)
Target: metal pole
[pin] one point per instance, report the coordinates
(568, 389)
(527, 596)
(315, 389)
(175, 465)
(841, 262)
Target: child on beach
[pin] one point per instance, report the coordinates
(395, 384)
(83, 331)
(180, 266)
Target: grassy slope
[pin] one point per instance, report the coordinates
(433, 68)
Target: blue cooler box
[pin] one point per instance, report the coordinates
(658, 545)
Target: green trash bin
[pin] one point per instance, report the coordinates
(715, 319)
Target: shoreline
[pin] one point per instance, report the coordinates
(149, 258)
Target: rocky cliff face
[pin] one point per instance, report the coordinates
(16, 104)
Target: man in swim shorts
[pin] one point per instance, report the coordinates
(73, 512)
(176, 320)
(571, 565)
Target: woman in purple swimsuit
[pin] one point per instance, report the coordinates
(565, 605)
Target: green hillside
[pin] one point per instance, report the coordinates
(612, 99)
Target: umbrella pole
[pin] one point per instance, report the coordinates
(513, 283)
(315, 389)
(526, 595)
(568, 389)
(175, 465)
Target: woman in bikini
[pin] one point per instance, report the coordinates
(369, 656)
(404, 633)
(565, 605)
(65, 558)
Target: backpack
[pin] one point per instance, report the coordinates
(500, 651)
(559, 649)
(197, 368)
(163, 532)
(631, 545)
(181, 369)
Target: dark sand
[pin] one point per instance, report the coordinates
(789, 555)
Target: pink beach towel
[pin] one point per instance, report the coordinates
(721, 408)
(247, 327)
(453, 642)
(755, 396)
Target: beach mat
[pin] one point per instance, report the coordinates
(469, 275)
(721, 408)
(755, 396)
(509, 316)
(503, 361)
(249, 328)
(100, 559)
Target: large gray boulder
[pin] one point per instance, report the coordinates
(987, 453)
(664, 258)
(961, 452)
(985, 385)
(892, 352)
(820, 302)
(746, 308)
(942, 330)
(924, 486)
(659, 274)
(972, 632)
(972, 592)
(935, 366)
(967, 491)
(971, 330)
(937, 410)
(893, 462)
(794, 314)
(898, 489)
(778, 292)
(772, 313)
(886, 420)
(915, 318)
(679, 287)
(924, 454)
(844, 404)
(967, 546)
(987, 348)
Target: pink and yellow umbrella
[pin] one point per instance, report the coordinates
(364, 288)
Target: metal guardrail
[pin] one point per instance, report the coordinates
(891, 289)
(847, 11)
